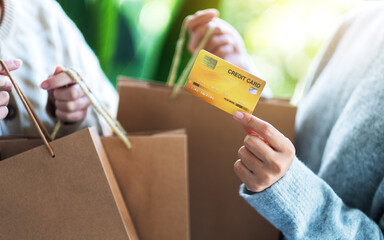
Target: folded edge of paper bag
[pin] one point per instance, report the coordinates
(123, 209)
(160, 133)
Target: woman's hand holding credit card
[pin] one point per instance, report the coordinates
(267, 154)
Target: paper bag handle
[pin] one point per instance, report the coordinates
(111, 121)
(176, 58)
(31, 112)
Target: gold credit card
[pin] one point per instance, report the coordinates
(223, 85)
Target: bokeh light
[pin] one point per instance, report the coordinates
(283, 36)
(154, 16)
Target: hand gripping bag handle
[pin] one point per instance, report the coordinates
(111, 121)
(31, 112)
(177, 56)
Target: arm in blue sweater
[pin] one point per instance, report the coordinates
(345, 199)
(340, 195)
(303, 206)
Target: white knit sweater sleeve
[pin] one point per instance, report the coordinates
(78, 54)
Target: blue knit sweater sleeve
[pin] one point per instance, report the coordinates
(303, 206)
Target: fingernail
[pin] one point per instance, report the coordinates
(45, 85)
(238, 115)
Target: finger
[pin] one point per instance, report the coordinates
(217, 41)
(68, 94)
(198, 34)
(237, 40)
(5, 84)
(196, 37)
(73, 106)
(259, 148)
(264, 129)
(252, 162)
(3, 112)
(223, 51)
(259, 169)
(71, 117)
(250, 180)
(243, 172)
(4, 98)
(11, 65)
(262, 168)
(57, 81)
(59, 69)
(201, 18)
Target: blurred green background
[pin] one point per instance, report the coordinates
(137, 38)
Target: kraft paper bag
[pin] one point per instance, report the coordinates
(216, 209)
(153, 180)
(64, 189)
(13, 145)
(71, 196)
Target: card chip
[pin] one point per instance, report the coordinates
(209, 62)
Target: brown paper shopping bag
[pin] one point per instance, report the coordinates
(153, 179)
(72, 196)
(63, 190)
(151, 173)
(217, 211)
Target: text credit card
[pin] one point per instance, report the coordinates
(223, 85)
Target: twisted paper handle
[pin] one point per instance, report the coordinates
(176, 58)
(111, 121)
(31, 112)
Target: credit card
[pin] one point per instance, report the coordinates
(223, 85)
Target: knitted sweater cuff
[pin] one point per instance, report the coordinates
(286, 203)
